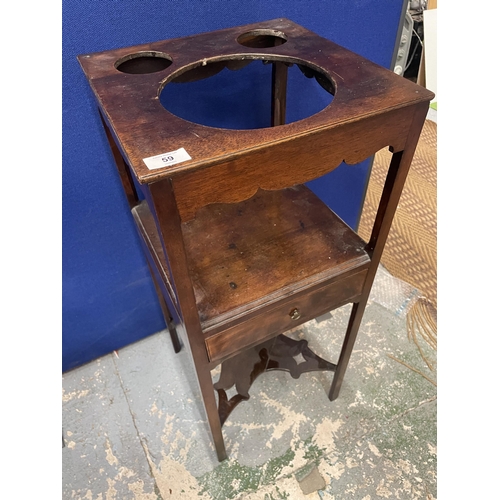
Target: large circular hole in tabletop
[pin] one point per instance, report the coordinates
(236, 94)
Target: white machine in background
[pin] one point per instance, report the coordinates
(409, 48)
(404, 45)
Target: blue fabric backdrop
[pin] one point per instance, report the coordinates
(108, 297)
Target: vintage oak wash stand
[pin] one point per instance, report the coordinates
(239, 249)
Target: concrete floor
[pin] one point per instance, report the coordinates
(134, 425)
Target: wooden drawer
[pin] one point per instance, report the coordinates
(277, 318)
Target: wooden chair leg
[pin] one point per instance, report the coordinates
(211, 409)
(204, 378)
(166, 314)
(347, 346)
(396, 176)
(162, 199)
(170, 325)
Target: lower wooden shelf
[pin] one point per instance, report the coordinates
(263, 266)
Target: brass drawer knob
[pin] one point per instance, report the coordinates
(295, 314)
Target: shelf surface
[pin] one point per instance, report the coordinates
(248, 255)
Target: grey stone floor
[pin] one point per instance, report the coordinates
(134, 425)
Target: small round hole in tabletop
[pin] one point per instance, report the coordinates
(262, 38)
(141, 63)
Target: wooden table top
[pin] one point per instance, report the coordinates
(143, 128)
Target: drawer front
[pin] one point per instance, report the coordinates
(284, 316)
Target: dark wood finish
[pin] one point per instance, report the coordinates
(162, 202)
(278, 97)
(122, 167)
(169, 320)
(271, 320)
(148, 230)
(280, 353)
(286, 164)
(277, 244)
(145, 128)
(393, 187)
(239, 250)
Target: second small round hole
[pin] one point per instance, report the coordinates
(261, 39)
